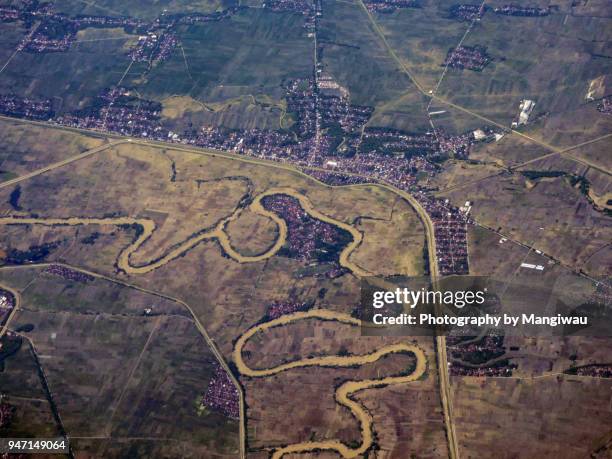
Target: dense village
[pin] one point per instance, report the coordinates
(329, 133)
(308, 239)
(605, 105)
(6, 412)
(279, 308)
(467, 57)
(596, 371)
(474, 12)
(330, 137)
(389, 6)
(68, 273)
(221, 394)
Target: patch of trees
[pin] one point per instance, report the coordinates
(9, 346)
(533, 175)
(33, 254)
(91, 239)
(14, 198)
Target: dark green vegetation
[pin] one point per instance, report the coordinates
(10, 346)
(35, 253)
(14, 198)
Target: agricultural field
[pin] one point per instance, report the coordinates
(502, 410)
(24, 392)
(250, 53)
(144, 336)
(28, 148)
(532, 59)
(185, 194)
(81, 73)
(496, 256)
(232, 69)
(414, 406)
(140, 8)
(353, 54)
(549, 210)
(140, 367)
(194, 194)
(409, 32)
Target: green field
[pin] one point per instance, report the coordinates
(355, 56)
(73, 78)
(245, 58)
(421, 37)
(251, 53)
(144, 9)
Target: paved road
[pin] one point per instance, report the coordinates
(441, 356)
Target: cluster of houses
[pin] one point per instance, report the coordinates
(280, 308)
(450, 231)
(116, 110)
(7, 303)
(474, 12)
(308, 239)
(502, 368)
(467, 12)
(521, 10)
(6, 412)
(334, 178)
(596, 370)
(25, 107)
(476, 351)
(467, 57)
(154, 47)
(389, 6)
(299, 6)
(68, 273)
(221, 394)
